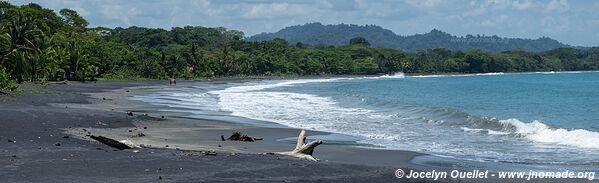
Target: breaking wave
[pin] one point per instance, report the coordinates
(540, 132)
(537, 132)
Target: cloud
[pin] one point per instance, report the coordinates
(425, 4)
(557, 5)
(499, 20)
(522, 5)
(265, 10)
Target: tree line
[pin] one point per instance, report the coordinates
(38, 45)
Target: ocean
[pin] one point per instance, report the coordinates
(545, 118)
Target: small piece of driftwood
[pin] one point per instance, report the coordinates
(110, 142)
(199, 153)
(138, 134)
(237, 136)
(302, 150)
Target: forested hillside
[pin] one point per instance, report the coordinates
(337, 35)
(38, 45)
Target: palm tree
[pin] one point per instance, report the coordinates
(22, 41)
(48, 59)
(74, 58)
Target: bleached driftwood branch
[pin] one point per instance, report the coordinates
(302, 150)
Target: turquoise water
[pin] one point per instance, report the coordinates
(561, 100)
(530, 118)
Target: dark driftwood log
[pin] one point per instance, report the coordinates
(303, 150)
(237, 136)
(111, 142)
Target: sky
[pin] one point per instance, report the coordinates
(573, 22)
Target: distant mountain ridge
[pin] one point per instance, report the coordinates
(319, 34)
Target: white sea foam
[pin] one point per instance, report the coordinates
(574, 72)
(459, 75)
(305, 111)
(292, 109)
(484, 131)
(548, 72)
(256, 87)
(539, 132)
(398, 75)
(563, 72)
(489, 74)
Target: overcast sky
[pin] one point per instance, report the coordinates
(571, 22)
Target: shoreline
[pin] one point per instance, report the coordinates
(279, 137)
(36, 149)
(199, 133)
(40, 152)
(421, 160)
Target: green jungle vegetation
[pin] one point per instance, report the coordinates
(40, 45)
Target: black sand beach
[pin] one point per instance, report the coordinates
(43, 137)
